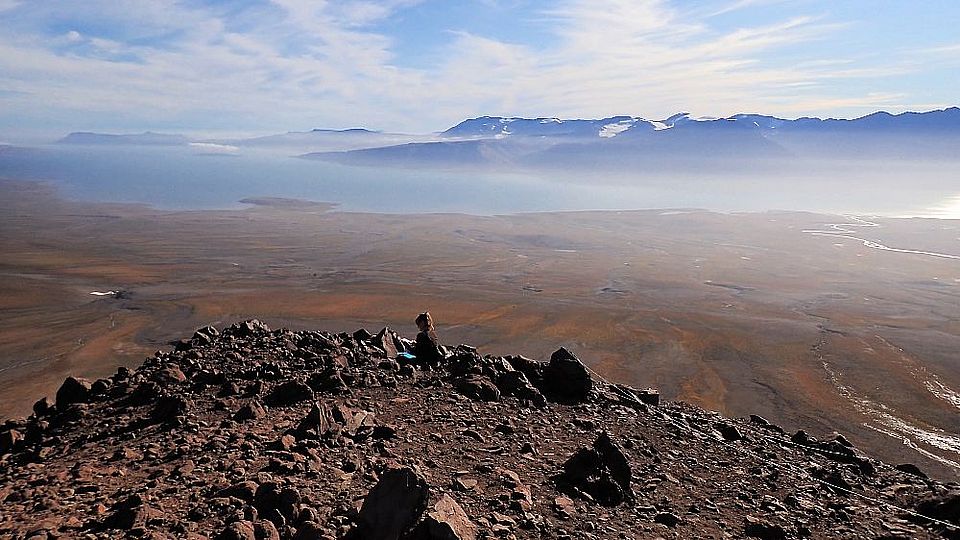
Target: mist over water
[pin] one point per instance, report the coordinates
(185, 178)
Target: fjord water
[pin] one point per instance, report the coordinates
(181, 178)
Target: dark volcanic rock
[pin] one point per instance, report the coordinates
(318, 423)
(515, 383)
(667, 518)
(478, 388)
(238, 530)
(10, 440)
(728, 432)
(288, 393)
(755, 528)
(602, 473)
(168, 408)
(910, 468)
(249, 328)
(446, 521)
(393, 506)
(943, 507)
(566, 378)
(385, 340)
(242, 490)
(127, 514)
(250, 411)
(73, 390)
(145, 393)
(42, 407)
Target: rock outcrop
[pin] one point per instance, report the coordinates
(260, 434)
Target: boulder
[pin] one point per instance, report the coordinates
(100, 387)
(515, 383)
(242, 490)
(667, 518)
(270, 498)
(42, 407)
(127, 514)
(289, 393)
(615, 462)
(318, 424)
(249, 328)
(446, 521)
(729, 432)
(911, 469)
(238, 530)
(169, 375)
(144, 393)
(73, 390)
(755, 528)
(10, 440)
(362, 335)
(310, 530)
(168, 408)
(393, 506)
(943, 507)
(385, 341)
(250, 411)
(478, 388)
(266, 530)
(357, 425)
(601, 473)
(328, 381)
(566, 378)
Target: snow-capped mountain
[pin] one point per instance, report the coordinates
(500, 127)
(678, 142)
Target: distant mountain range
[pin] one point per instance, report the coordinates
(680, 142)
(620, 126)
(618, 142)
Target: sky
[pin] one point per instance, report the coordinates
(247, 67)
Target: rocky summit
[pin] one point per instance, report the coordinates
(255, 434)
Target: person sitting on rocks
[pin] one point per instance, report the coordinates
(427, 348)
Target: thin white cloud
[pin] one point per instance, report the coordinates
(744, 4)
(952, 50)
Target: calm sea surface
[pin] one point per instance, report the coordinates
(181, 178)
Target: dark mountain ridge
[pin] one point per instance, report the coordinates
(252, 433)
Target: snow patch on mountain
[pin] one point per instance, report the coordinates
(612, 130)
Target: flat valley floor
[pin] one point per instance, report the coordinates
(788, 315)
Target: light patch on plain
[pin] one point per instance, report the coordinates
(99, 293)
(884, 420)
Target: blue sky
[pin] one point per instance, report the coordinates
(264, 66)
